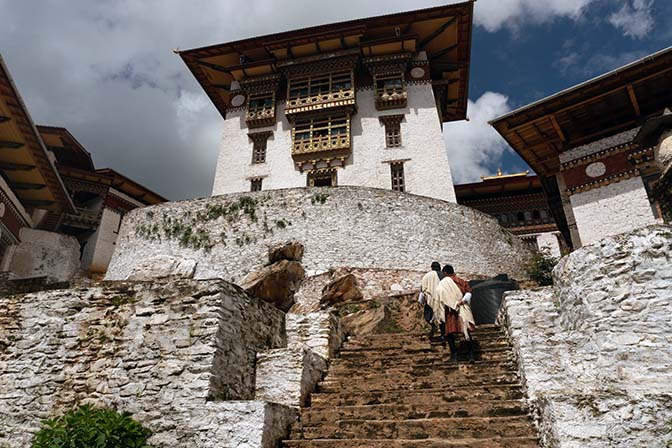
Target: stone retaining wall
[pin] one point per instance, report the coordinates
(228, 236)
(168, 352)
(595, 352)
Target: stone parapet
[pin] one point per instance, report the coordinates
(169, 352)
(594, 352)
(229, 236)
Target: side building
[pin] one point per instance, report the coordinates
(49, 188)
(357, 103)
(519, 203)
(583, 143)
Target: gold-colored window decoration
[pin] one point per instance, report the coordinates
(390, 91)
(308, 92)
(255, 184)
(317, 134)
(397, 172)
(260, 109)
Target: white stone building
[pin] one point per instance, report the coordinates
(594, 147)
(357, 103)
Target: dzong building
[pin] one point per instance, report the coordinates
(357, 103)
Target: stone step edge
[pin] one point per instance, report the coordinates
(436, 391)
(393, 442)
(522, 403)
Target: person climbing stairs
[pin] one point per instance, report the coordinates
(401, 390)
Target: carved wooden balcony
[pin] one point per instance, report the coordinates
(321, 144)
(340, 98)
(256, 118)
(391, 99)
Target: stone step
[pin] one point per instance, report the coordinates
(449, 428)
(438, 357)
(402, 338)
(482, 408)
(499, 442)
(436, 396)
(406, 346)
(408, 371)
(413, 353)
(481, 329)
(391, 383)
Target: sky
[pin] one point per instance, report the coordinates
(105, 70)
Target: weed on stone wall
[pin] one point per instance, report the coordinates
(188, 231)
(319, 198)
(540, 268)
(92, 428)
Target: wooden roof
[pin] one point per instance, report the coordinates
(444, 33)
(24, 160)
(66, 148)
(133, 189)
(499, 186)
(603, 106)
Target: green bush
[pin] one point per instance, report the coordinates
(89, 427)
(540, 268)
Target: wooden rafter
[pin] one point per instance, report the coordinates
(212, 66)
(16, 166)
(3, 118)
(593, 98)
(37, 202)
(444, 51)
(558, 129)
(423, 43)
(27, 186)
(633, 99)
(11, 145)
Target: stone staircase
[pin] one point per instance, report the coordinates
(400, 390)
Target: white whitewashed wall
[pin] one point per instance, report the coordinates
(426, 172)
(612, 209)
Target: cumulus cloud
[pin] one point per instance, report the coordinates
(474, 147)
(635, 18)
(494, 15)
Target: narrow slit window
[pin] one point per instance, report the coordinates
(255, 184)
(397, 171)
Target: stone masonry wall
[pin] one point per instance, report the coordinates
(228, 236)
(595, 353)
(45, 254)
(168, 352)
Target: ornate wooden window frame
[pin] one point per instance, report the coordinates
(321, 133)
(260, 109)
(390, 91)
(259, 146)
(392, 125)
(318, 91)
(397, 176)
